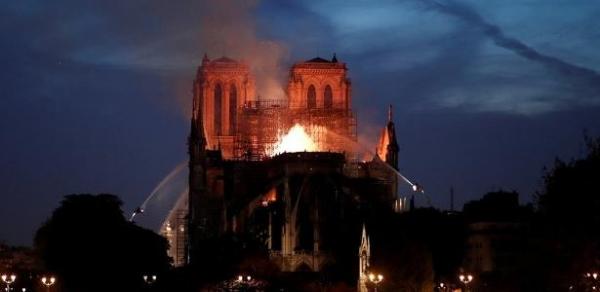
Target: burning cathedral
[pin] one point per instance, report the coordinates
(285, 170)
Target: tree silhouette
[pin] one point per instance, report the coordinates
(90, 246)
(569, 221)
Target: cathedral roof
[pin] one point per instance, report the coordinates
(318, 60)
(222, 63)
(225, 60)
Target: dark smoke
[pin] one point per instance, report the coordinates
(578, 74)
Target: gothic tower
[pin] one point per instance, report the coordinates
(319, 84)
(222, 87)
(319, 91)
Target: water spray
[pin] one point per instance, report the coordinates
(415, 186)
(163, 182)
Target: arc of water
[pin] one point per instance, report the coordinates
(415, 187)
(178, 204)
(160, 185)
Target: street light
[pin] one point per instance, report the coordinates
(8, 279)
(375, 279)
(244, 281)
(149, 279)
(242, 278)
(592, 277)
(48, 281)
(443, 287)
(466, 279)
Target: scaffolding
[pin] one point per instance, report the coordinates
(261, 123)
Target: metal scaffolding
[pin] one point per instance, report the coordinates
(261, 123)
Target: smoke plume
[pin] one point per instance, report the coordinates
(228, 28)
(577, 75)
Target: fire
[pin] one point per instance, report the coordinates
(269, 197)
(296, 140)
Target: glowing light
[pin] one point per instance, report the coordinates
(296, 140)
(466, 279)
(376, 279)
(269, 197)
(150, 279)
(8, 279)
(48, 281)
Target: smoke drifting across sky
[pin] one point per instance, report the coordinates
(577, 76)
(228, 28)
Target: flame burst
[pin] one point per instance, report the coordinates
(297, 140)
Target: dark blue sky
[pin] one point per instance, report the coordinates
(94, 95)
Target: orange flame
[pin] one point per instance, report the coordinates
(269, 197)
(296, 140)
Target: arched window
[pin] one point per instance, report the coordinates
(328, 97)
(232, 110)
(217, 109)
(311, 97)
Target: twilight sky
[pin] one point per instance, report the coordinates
(95, 95)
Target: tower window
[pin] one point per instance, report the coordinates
(232, 110)
(217, 109)
(311, 97)
(328, 97)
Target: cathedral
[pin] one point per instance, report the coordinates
(243, 125)
(284, 170)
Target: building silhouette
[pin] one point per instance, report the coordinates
(301, 204)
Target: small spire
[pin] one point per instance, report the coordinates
(364, 232)
(390, 113)
(334, 59)
(205, 58)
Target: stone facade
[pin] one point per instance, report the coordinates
(222, 87)
(319, 83)
(318, 94)
(304, 202)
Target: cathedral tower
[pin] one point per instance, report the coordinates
(319, 84)
(319, 94)
(222, 87)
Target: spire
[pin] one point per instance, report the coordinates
(364, 234)
(364, 255)
(365, 243)
(334, 59)
(205, 59)
(387, 147)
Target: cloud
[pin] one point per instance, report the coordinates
(428, 54)
(584, 81)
